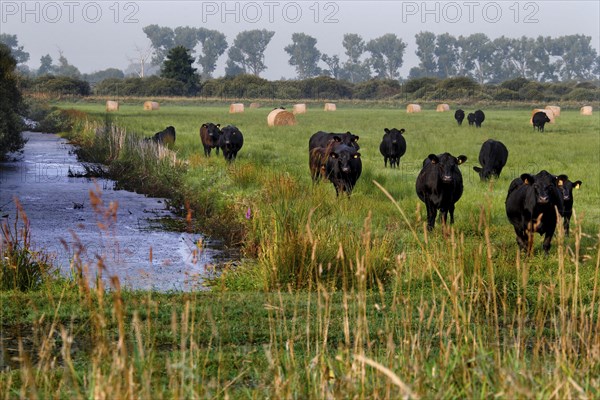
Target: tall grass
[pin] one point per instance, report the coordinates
(449, 325)
(21, 266)
(352, 297)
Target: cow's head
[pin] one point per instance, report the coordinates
(213, 131)
(485, 173)
(394, 134)
(229, 135)
(565, 186)
(447, 165)
(544, 185)
(343, 158)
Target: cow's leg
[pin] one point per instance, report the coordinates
(566, 222)
(547, 241)
(522, 238)
(385, 162)
(451, 210)
(431, 215)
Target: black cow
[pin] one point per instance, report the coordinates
(532, 204)
(492, 157)
(322, 139)
(459, 115)
(538, 120)
(440, 185)
(393, 146)
(230, 142)
(471, 119)
(479, 118)
(210, 134)
(343, 168)
(165, 137)
(565, 187)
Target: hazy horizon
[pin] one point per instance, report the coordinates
(95, 35)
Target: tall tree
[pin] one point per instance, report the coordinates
(577, 57)
(426, 52)
(355, 69)
(11, 104)
(304, 55)
(66, 69)
(214, 45)
(387, 53)
(178, 66)
(162, 39)
(333, 62)
(17, 51)
(46, 66)
(446, 53)
(248, 51)
(475, 56)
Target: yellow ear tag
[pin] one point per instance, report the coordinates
(577, 186)
(560, 182)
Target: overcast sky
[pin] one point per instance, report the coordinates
(95, 35)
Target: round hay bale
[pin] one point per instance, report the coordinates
(555, 110)
(236, 108)
(413, 108)
(549, 113)
(442, 108)
(299, 109)
(280, 117)
(112, 105)
(151, 105)
(586, 110)
(254, 105)
(330, 107)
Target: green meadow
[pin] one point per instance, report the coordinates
(334, 297)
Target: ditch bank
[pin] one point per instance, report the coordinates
(88, 218)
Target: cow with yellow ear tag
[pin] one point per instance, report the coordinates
(565, 186)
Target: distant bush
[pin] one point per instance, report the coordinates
(151, 86)
(413, 85)
(505, 95)
(376, 89)
(514, 84)
(582, 94)
(61, 85)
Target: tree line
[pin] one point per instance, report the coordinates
(543, 59)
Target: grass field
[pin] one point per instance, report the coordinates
(342, 297)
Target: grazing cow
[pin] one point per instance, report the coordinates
(471, 119)
(165, 137)
(440, 185)
(565, 187)
(459, 115)
(492, 157)
(392, 147)
(532, 204)
(539, 119)
(322, 139)
(230, 142)
(479, 118)
(210, 134)
(343, 168)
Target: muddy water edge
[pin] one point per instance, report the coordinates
(88, 217)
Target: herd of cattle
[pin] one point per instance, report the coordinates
(533, 202)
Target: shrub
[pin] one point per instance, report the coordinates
(413, 85)
(581, 94)
(514, 84)
(61, 85)
(377, 89)
(502, 94)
